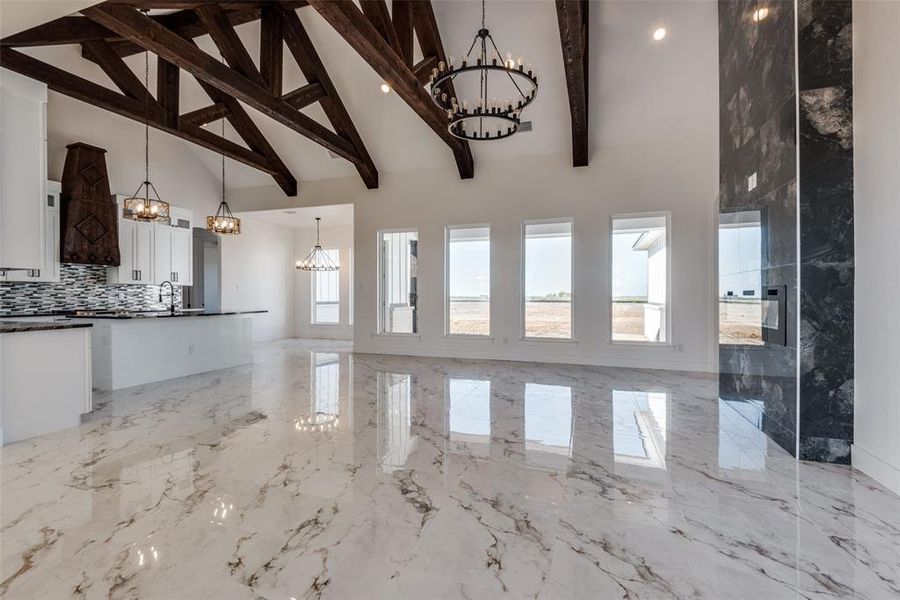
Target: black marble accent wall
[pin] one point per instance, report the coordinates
(786, 226)
(825, 52)
(758, 201)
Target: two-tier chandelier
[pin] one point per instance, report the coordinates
(317, 259)
(505, 86)
(142, 206)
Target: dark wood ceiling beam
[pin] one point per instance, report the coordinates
(100, 96)
(403, 24)
(227, 41)
(205, 115)
(305, 95)
(65, 30)
(191, 4)
(271, 49)
(254, 138)
(143, 30)
(573, 33)
(304, 52)
(168, 90)
(380, 17)
(350, 22)
(299, 98)
(429, 36)
(118, 72)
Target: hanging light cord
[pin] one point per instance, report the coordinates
(147, 127)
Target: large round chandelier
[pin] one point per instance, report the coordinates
(505, 86)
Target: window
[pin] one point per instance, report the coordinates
(640, 278)
(548, 279)
(468, 280)
(326, 291)
(399, 252)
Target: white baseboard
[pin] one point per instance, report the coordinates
(877, 468)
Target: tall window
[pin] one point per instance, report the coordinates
(640, 278)
(548, 279)
(326, 292)
(469, 280)
(399, 251)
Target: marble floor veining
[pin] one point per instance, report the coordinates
(317, 472)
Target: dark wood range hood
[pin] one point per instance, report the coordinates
(88, 213)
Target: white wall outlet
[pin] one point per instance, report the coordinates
(751, 182)
(122, 296)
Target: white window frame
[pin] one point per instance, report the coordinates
(475, 336)
(379, 292)
(522, 267)
(312, 295)
(612, 219)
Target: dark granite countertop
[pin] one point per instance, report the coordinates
(23, 326)
(124, 314)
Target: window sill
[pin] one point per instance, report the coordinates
(549, 339)
(466, 336)
(640, 343)
(388, 335)
(326, 325)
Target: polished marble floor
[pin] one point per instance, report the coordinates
(318, 473)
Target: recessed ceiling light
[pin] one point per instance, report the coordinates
(659, 34)
(385, 88)
(760, 13)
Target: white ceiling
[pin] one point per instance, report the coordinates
(336, 215)
(640, 90)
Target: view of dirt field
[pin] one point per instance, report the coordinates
(545, 319)
(739, 322)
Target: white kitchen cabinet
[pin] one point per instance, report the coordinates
(154, 253)
(49, 270)
(182, 256)
(136, 250)
(23, 171)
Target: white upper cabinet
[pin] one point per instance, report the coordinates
(154, 253)
(23, 171)
(49, 270)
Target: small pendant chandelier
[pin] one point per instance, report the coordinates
(317, 259)
(485, 117)
(223, 222)
(145, 207)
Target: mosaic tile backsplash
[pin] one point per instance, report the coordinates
(81, 287)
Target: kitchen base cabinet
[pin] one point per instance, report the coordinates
(45, 381)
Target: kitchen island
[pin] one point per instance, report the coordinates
(45, 377)
(136, 348)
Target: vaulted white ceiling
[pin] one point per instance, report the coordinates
(640, 90)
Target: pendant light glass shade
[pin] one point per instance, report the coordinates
(142, 206)
(317, 259)
(224, 222)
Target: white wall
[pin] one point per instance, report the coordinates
(679, 176)
(876, 70)
(332, 237)
(257, 273)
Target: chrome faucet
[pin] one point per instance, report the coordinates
(171, 296)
